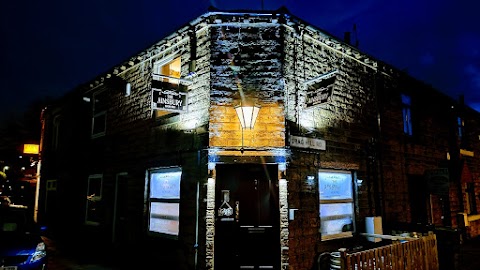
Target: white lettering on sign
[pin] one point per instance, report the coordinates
(305, 142)
(170, 101)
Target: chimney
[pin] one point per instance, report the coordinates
(347, 38)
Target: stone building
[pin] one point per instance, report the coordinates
(254, 139)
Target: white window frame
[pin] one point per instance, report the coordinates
(407, 114)
(157, 71)
(93, 198)
(158, 65)
(341, 193)
(165, 201)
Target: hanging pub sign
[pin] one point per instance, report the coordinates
(166, 96)
(320, 92)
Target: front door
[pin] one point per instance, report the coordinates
(247, 234)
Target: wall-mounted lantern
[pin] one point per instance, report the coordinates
(247, 114)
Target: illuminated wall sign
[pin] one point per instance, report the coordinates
(166, 96)
(30, 148)
(305, 142)
(320, 91)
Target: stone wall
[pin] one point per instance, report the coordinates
(268, 61)
(346, 123)
(246, 68)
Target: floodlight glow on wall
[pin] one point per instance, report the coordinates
(247, 115)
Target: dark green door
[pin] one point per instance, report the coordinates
(247, 232)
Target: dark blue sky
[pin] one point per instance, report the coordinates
(49, 47)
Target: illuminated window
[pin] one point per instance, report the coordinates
(94, 196)
(407, 118)
(99, 120)
(164, 201)
(168, 74)
(170, 70)
(337, 213)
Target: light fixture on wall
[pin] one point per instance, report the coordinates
(247, 114)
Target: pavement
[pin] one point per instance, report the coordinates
(452, 254)
(456, 252)
(62, 257)
(467, 257)
(69, 255)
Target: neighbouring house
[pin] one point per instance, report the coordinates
(255, 140)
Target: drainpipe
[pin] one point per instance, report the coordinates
(377, 170)
(199, 156)
(379, 146)
(458, 163)
(39, 165)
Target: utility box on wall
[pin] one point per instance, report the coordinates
(373, 225)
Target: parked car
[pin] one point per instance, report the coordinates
(21, 244)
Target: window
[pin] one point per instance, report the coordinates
(94, 197)
(99, 120)
(471, 199)
(170, 70)
(337, 213)
(461, 133)
(407, 118)
(55, 132)
(164, 201)
(166, 76)
(51, 185)
(460, 126)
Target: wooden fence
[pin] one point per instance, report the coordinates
(415, 254)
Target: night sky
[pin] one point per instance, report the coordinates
(49, 47)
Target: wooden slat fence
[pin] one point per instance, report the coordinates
(417, 254)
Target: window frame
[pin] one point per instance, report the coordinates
(56, 131)
(91, 200)
(337, 200)
(159, 114)
(407, 114)
(471, 199)
(169, 199)
(460, 127)
(99, 112)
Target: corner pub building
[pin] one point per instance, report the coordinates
(253, 140)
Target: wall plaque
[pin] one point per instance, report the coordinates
(305, 142)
